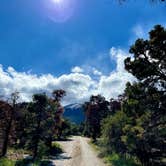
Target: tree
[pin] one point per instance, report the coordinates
(57, 96)
(139, 128)
(43, 122)
(112, 132)
(8, 114)
(38, 122)
(21, 125)
(115, 105)
(55, 115)
(149, 63)
(148, 0)
(95, 110)
(144, 135)
(69, 128)
(145, 102)
(5, 110)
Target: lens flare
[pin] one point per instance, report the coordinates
(60, 10)
(57, 1)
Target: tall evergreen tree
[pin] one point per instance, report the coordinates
(38, 122)
(148, 97)
(95, 110)
(8, 114)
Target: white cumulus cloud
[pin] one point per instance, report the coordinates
(139, 31)
(79, 86)
(77, 69)
(96, 72)
(114, 84)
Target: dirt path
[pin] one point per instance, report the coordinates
(77, 153)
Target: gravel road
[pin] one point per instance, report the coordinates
(77, 153)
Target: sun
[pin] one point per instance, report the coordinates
(60, 10)
(57, 1)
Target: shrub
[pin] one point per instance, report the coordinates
(6, 162)
(118, 160)
(42, 151)
(56, 148)
(28, 162)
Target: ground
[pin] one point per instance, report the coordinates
(77, 152)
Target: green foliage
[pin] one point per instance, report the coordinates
(149, 60)
(32, 126)
(139, 128)
(154, 1)
(117, 160)
(42, 150)
(8, 120)
(29, 162)
(134, 128)
(38, 123)
(56, 148)
(112, 158)
(44, 123)
(6, 162)
(65, 129)
(76, 129)
(145, 101)
(113, 131)
(95, 110)
(68, 129)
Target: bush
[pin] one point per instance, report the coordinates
(28, 162)
(118, 160)
(23, 162)
(6, 162)
(56, 148)
(42, 151)
(112, 158)
(112, 132)
(16, 154)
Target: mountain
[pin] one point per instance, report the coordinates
(74, 112)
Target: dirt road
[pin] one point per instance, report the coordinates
(77, 153)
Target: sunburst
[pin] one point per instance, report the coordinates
(58, 1)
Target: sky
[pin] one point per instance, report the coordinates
(75, 45)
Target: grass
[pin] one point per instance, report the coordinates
(16, 154)
(7, 162)
(15, 157)
(113, 159)
(56, 149)
(26, 162)
(117, 160)
(95, 145)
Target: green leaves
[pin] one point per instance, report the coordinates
(139, 128)
(113, 131)
(95, 110)
(149, 61)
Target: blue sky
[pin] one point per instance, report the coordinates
(44, 37)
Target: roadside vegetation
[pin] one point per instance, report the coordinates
(28, 130)
(6, 162)
(132, 128)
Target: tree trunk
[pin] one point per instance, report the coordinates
(49, 144)
(36, 143)
(35, 151)
(6, 137)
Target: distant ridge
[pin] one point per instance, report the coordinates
(74, 112)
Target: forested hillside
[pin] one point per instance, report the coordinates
(74, 112)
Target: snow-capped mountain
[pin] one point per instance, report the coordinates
(74, 112)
